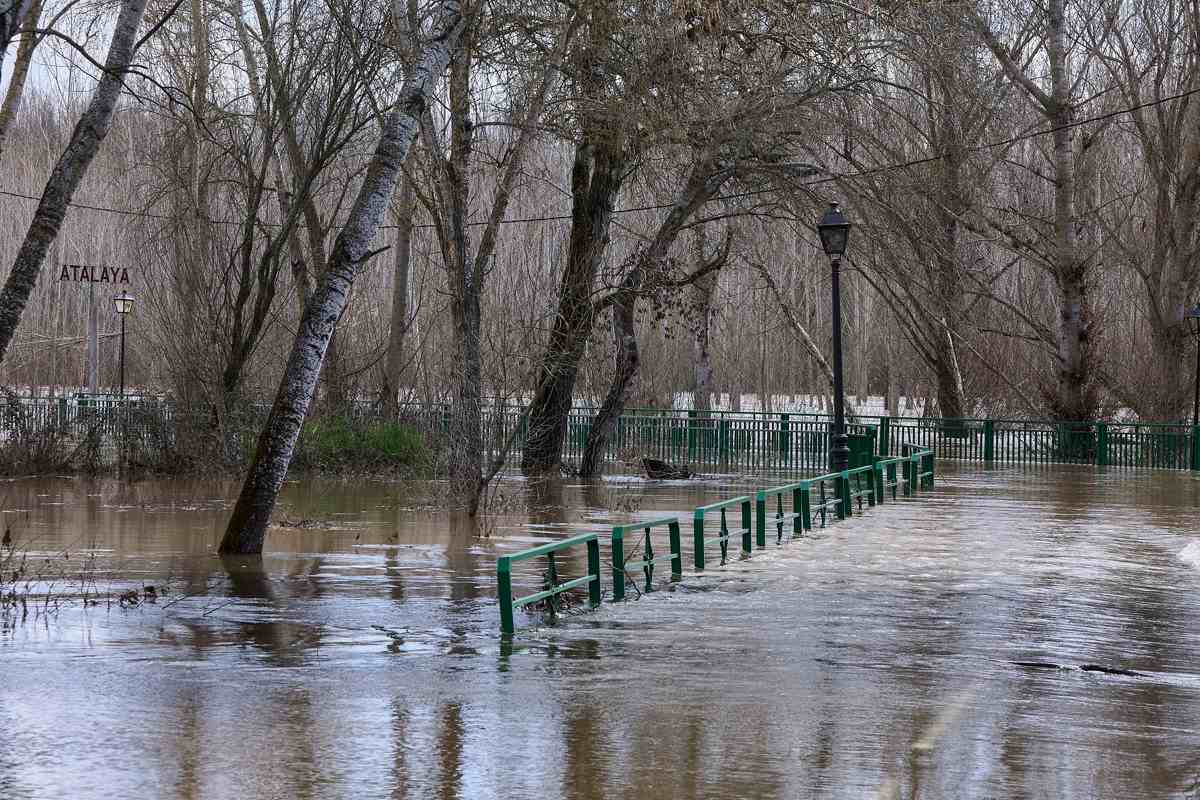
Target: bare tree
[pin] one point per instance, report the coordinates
(248, 524)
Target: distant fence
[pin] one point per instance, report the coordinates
(792, 443)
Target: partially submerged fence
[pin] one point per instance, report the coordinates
(798, 506)
(710, 441)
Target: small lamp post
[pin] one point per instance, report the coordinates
(123, 303)
(834, 229)
(1193, 318)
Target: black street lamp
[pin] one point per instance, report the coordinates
(835, 234)
(1193, 318)
(123, 303)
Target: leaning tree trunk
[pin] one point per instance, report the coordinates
(625, 342)
(16, 84)
(596, 177)
(393, 363)
(12, 17)
(248, 525)
(68, 171)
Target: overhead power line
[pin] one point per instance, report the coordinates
(901, 165)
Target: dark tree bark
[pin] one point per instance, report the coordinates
(625, 343)
(596, 177)
(248, 524)
(393, 364)
(650, 272)
(71, 166)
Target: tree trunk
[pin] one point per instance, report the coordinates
(248, 524)
(16, 84)
(625, 343)
(596, 177)
(12, 17)
(702, 369)
(68, 171)
(1072, 400)
(402, 212)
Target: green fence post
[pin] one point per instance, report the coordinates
(698, 540)
(618, 563)
(760, 525)
(877, 475)
(797, 521)
(806, 505)
(1101, 444)
(989, 441)
(885, 436)
(932, 468)
(746, 522)
(915, 472)
(1196, 447)
(723, 440)
(504, 591)
(842, 488)
(676, 550)
(593, 558)
(648, 557)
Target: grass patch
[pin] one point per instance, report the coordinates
(337, 444)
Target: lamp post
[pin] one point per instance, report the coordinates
(123, 303)
(1193, 318)
(834, 229)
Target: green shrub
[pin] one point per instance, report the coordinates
(344, 445)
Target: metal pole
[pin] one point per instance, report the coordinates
(1196, 401)
(839, 450)
(122, 355)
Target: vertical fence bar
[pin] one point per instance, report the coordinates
(504, 590)
(1101, 444)
(618, 563)
(746, 523)
(593, 560)
(760, 524)
(806, 505)
(989, 441)
(698, 540)
(885, 436)
(676, 550)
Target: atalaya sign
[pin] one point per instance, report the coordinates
(81, 273)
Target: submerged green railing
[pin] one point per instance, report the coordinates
(621, 570)
(700, 539)
(837, 492)
(508, 605)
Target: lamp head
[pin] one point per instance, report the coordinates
(835, 231)
(123, 303)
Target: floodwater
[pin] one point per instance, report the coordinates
(361, 658)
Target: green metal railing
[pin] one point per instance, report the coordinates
(749, 441)
(701, 540)
(836, 492)
(621, 570)
(555, 587)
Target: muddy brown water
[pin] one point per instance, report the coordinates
(361, 658)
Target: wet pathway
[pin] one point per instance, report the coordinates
(872, 659)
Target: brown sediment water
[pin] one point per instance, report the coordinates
(361, 656)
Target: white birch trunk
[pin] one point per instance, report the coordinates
(248, 525)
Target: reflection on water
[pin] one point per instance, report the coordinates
(360, 656)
